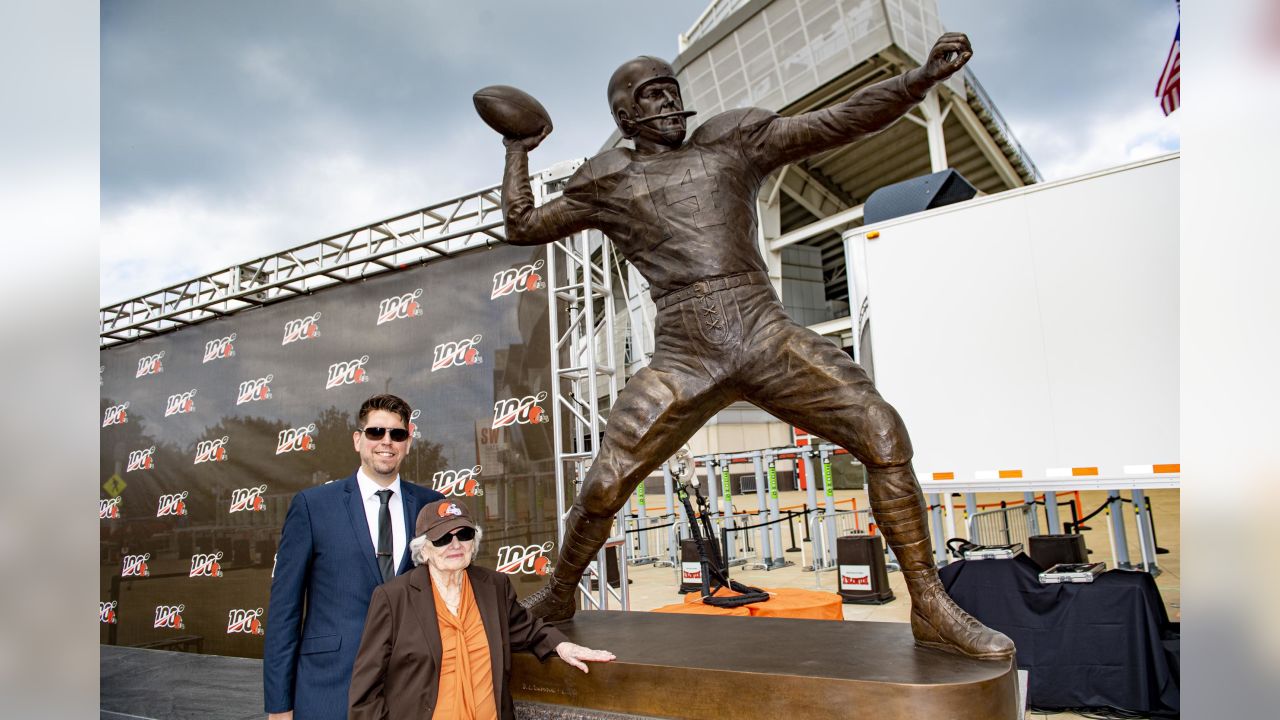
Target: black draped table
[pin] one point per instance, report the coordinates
(1108, 643)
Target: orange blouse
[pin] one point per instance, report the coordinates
(466, 669)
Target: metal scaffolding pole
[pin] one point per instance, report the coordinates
(584, 382)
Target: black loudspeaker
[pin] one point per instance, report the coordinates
(917, 195)
(860, 562)
(1049, 550)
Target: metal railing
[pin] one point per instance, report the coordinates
(718, 10)
(652, 540)
(1002, 526)
(824, 553)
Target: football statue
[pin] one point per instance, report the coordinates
(683, 212)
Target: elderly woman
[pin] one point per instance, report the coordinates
(437, 641)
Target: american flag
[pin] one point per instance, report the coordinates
(1168, 90)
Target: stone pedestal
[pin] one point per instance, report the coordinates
(693, 666)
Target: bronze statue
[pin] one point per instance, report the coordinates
(684, 214)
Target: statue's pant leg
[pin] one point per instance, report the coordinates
(657, 412)
(814, 385)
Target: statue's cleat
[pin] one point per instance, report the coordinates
(937, 622)
(551, 605)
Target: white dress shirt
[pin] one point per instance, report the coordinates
(369, 493)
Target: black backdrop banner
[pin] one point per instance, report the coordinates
(209, 431)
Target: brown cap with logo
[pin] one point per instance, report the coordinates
(442, 517)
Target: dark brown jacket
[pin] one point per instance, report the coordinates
(397, 670)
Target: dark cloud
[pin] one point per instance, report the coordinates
(203, 95)
(1066, 63)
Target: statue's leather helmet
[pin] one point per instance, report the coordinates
(629, 78)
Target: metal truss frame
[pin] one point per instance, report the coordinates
(584, 370)
(435, 232)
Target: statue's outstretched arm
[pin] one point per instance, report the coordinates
(776, 141)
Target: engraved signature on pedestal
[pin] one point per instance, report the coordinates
(544, 689)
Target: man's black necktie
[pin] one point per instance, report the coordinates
(384, 535)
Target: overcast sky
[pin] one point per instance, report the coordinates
(235, 129)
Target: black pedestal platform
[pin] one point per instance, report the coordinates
(668, 666)
(697, 666)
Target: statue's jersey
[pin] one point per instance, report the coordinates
(683, 215)
(689, 214)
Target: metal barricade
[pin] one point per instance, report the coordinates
(597, 574)
(841, 522)
(1002, 526)
(852, 522)
(844, 523)
(649, 540)
(826, 525)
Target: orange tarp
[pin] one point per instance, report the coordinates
(700, 609)
(782, 602)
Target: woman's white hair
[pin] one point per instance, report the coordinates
(418, 545)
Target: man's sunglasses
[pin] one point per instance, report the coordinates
(376, 433)
(464, 534)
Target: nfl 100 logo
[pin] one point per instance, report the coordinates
(169, 616)
(247, 622)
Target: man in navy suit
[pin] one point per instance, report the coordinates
(340, 540)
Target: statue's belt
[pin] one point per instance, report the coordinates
(706, 287)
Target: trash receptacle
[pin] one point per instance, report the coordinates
(863, 577)
(691, 565)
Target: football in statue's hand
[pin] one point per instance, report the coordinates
(512, 112)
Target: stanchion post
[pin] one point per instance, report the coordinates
(727, 511)
(673, 508)
(709, 464)
(819, 547)
(948, 514)
(829, 500)
(935, 526)
(628, 512)
(1115, 518)
(774, 530)
(1155, 539)
(1033, 520)
(1146, 540)
(1051, 512)
(811, 486)
(791, 524)
(828, 486)
(673, 542)
(762, 506)
(642, 521)
(970, 509)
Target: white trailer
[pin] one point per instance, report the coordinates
(1033, 329)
